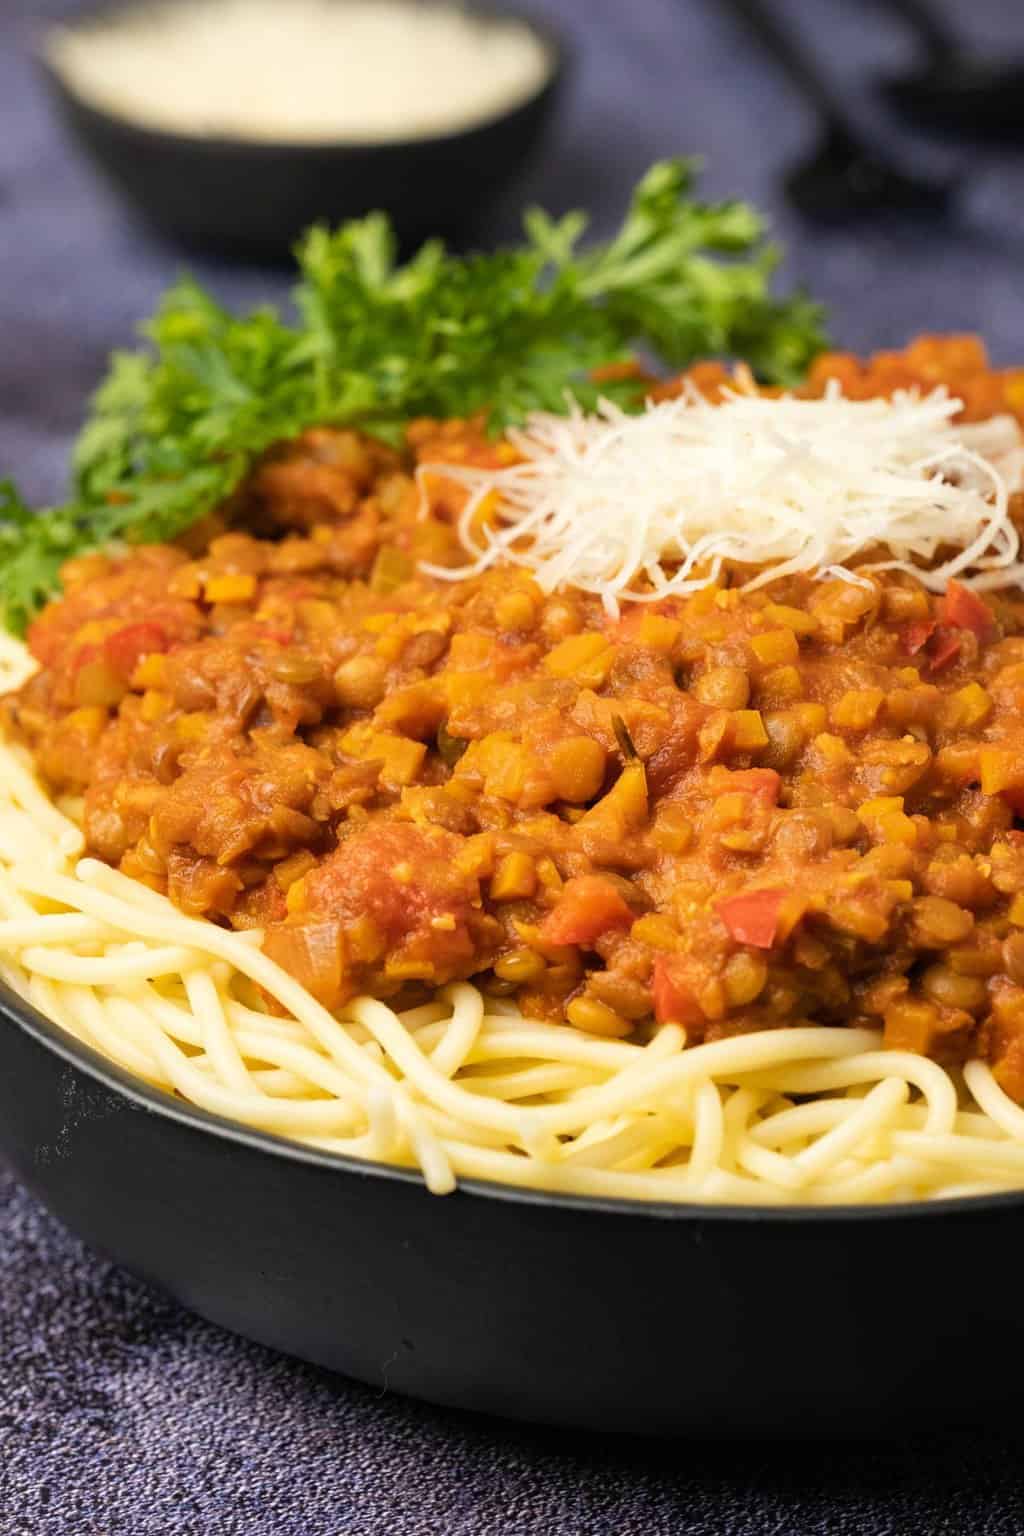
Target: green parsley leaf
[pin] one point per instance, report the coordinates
(176, 426)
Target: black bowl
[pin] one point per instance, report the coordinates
(602, 1314)
(253, 199)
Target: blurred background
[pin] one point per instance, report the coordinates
(642, 80)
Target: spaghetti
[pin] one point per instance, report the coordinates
(464, 1086)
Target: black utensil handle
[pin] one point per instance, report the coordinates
(761, 20)
(930, 27)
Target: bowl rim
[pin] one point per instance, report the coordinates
(554, 39)
(17, 1012)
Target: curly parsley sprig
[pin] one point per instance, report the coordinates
(176, 426)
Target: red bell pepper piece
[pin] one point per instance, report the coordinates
(753, 916)
(945, 647)
(961, 608)
(917, 635)
(674, 999)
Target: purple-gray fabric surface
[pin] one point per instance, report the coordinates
(121, 1415)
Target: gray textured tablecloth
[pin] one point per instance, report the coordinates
(121, 1415)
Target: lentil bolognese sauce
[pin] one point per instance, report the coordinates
(733, 811)
(628, 805)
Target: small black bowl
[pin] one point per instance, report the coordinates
(252, 199)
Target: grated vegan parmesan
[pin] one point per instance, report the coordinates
(305, 71)
(636, 508)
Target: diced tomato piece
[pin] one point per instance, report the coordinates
(753, 916)
(674, 998)
(945, 647)
(916, 636)
(126, 647)
(588, 907)
(963, 609)
(765, 783)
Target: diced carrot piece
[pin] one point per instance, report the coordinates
(963, 609)
(658, 632)
(746, 730)
(1009, 1070)
(232, 587)
(753, 916)
(588, 907)
(1002, 769)
(910, 1025)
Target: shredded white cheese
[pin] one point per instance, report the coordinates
(635, 508)
(305, 71)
